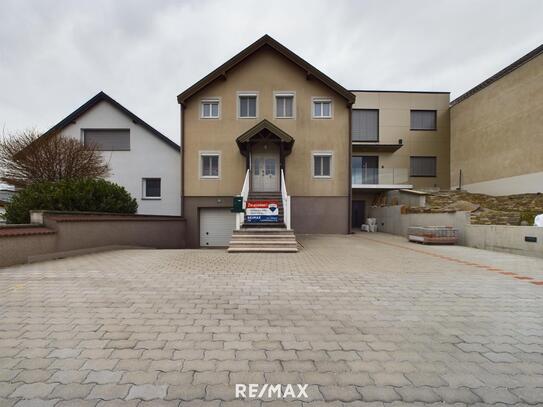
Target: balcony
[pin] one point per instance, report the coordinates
(380, 178)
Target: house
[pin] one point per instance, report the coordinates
(267, 122)
(497, 131)
(400, 140)
(141, 159)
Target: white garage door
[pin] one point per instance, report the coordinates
(216, 226)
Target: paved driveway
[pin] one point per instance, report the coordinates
(359, 318)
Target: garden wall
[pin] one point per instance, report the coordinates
(57, 234)
(500, 238)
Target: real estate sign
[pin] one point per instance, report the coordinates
(261, 211)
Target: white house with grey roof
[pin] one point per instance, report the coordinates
(141, 159)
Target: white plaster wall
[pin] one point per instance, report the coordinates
(521, 184)
(149, 157)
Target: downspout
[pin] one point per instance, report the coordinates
(182, 160)
(349, 163)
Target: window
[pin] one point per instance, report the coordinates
(210, 109)
(209, 165)
(322, 108)
(322, 165)
(107, 139)
(423, 166)
(365, 169)
(423, 120)
(284, 105)
(247, 106)
(151, 188)
(365, 125)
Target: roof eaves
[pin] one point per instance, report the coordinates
(508, 69)
(100, 97)
(265, 40)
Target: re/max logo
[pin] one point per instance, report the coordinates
(259, 391)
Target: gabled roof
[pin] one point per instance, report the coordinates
(508, 69)
(265, 125)
(102, 97)
(266, 40)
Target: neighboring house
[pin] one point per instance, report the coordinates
(497, 131)
(268, 111)
(141, 159)
(400, 140)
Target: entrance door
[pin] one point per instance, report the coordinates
(265, 171)
(357, 218)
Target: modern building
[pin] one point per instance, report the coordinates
(267, 122)
(400, 140)
(497, 131)
(141, 159)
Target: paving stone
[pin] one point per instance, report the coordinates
(138, 377)
(422, 394)
(340, 393)
(390, 379)
(530, 395)
(496, 395)
(34, 390)
(147, 392)
(36, 403)
(326, 379)
(425, 379)
(103, 377)
(500, 357)
(355, 379)
(186, 392)
(77, 403)
(71, 391)
(462, 380)
(210, 377)
(457, 395)
(379, 393)
(249, 377)
(33, 376)
(69, 376)
(175, 378)
(109, 391)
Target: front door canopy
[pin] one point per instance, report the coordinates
(265, 131)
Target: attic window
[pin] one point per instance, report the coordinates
(107, 139)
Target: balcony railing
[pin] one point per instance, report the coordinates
(380, 176)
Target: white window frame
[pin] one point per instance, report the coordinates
(320, 154)
(200, 166)
(144, 189)
(247, 93)
(210, 100)
(316, 99)
(277, 94)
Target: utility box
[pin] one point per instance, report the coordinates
(237, 204)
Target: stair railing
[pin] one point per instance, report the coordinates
(286, 200)
(240, 217)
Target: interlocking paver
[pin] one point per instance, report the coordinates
(147, 392)
(360, 324)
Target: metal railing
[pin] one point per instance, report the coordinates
(380, 176)
(240, 217)
(286, 200)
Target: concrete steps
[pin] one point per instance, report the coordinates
(263, 240)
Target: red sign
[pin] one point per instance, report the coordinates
(261, 204)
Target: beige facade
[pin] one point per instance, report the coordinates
(395, 125)
(497, 132)
(266, 72)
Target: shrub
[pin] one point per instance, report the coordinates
(86, 195)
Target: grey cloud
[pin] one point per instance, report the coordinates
(54, 55)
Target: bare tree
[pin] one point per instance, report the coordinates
(26, 157)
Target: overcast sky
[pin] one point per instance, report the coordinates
(56, 54)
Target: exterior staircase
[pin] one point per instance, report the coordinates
(264, 237)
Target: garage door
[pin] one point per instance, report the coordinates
(216, 226)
